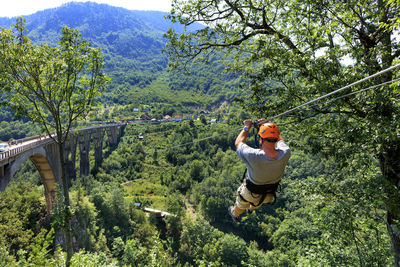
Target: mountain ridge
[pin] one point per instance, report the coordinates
(138, 19)
(131, 42)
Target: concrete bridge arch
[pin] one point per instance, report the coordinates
(44, 155)
(44, 160)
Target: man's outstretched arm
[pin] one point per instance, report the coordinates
(241, 138)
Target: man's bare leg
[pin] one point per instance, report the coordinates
(237, 211)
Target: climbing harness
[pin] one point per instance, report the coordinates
(262, 190)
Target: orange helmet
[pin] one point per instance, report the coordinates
(269, 130)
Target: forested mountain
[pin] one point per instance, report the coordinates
(131, 43)
(119, 30)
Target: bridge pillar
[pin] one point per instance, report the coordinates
(98, 146)
(53, 153)
(84, 148)
(1, 172)
(112, 135)
(70, 157)
(6, 176)
(121, 131)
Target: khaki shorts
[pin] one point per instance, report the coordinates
(250, 197)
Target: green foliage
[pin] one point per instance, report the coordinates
(133, 252)
(353, 218)
(85, 229)
(232, 250)
(297, 52)
(5, 258)
(91, 259)
(195, 170)
(60, 83)
(195, 236)
(22, 210)
(17, 130)
(40, 255)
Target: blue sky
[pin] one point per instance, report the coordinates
(12, 8)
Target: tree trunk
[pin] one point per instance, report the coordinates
(394, 233)
(390, 167)
(390, 157)
(67, 210)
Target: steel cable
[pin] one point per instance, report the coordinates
(309, 102)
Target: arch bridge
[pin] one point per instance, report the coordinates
(43, 152)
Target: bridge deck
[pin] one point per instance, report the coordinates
(28, 143)
(22, 146)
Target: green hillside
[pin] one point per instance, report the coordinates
(131, 43)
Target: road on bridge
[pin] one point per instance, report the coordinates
(24, 144)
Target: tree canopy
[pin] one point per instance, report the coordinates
(53, 86)
(295, 51)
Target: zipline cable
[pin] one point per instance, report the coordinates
(356, 92)
(209, 137)
(343, 96)
(331, 93)
(307, 103)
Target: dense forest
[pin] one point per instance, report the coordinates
(311, 223)
(335, 197)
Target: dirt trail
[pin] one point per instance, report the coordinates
(190, 209)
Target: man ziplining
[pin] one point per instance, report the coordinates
(265, 168)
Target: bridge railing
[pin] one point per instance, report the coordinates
(24, 147)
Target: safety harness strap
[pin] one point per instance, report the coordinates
(263, 190)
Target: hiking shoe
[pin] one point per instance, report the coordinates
(235, 219)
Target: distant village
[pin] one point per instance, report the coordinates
(147, 118)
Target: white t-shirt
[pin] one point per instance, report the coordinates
(262, 169)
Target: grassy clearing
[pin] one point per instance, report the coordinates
(148, 193)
